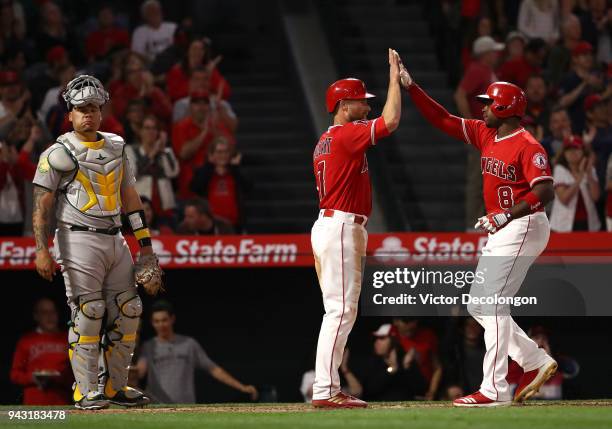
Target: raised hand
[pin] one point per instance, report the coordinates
(394, 69)
(405, 77)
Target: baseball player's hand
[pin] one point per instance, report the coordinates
(405, 77)
(45, 265)
(493, 222)
(252, 391)
(394, 68)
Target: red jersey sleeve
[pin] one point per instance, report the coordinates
(473, 132)
(360, 135)
(535, 165)
(20, 373)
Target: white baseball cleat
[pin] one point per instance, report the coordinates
(477, 399)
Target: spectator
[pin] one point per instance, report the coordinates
(539, 105)
(169, 361)
(43, 78)
(155, 227)
(425, 343)
(16, 168)
(553, 388)
(595, 22)
(40, 362)
(138, 83)
(197, 220)
(109, 124)
(533, 127)
(173, 54)
(108, 37)
(559, 127)
(560, 55)
(154, 166)
(390, 373)
(221, 182)
(53, 31)
(515, 45)
(582, 80)
(12, 24)
(198, 55)
(155, 35)
(132, 124)
(190, 139)
(53, 101)
(476, 80)
(598, 135)
(474, 30)
(539, 18)
(14, 101)
(518, 70)
(576, 189)
(609, 195)
(463, 355)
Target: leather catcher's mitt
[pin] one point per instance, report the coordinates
(148, 274)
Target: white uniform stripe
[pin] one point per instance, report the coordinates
(537, 179)
(373, 127)
(467, 138)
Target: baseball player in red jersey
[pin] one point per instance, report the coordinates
(517, 184)
(339, 236)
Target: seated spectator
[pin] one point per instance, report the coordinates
(190, 139)
(53, 31)
(173, 54)
(138, 84)
(584, 79)
(169, 362)
(463, 353)
(518, 70)
(425, 342)
(576, 189)
(47, 76)
(13, 28)
(553, 388)
(539, 19)
(108, 37)
(515, 45)
(155, 227)
(53, 98)
(155, 35)
(132, 124)
(14, 101)
(390, 373)
(609, 195)
(154, 166)
(220, 181)
(40, 362)
(197, 220)
(560, 56)
(198, 55)
(559, 127)
(598, 134)
(539, 105)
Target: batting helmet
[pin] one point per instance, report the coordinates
(506, 99)
(345, 89)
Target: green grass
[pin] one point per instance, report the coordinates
(272, 416)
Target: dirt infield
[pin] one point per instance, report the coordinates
(305, 408)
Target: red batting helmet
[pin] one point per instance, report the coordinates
(345, 89)
(506, 99)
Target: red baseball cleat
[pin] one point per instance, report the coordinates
(531, 381)
(340, 400)
(479, 400)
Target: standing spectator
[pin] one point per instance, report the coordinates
(559, 127)
(584, 79)
(518, 70)
(595, 22)
(539, 18)
(539, 105)
(108, 37)
(425, 343)
(155, 227)
(476, 80)
(576, 189)
(169, 362)
(47, 77)
(609, 195)
(155, 35)
(14, 101)
(154, 166)
(40, 362)
(598, 134)
(138, 84)
(560, 55)
(197, 220)
(515, 45)
(221, 182)
(53, 31)
(390, 373)
(190, 139)
(198, 55)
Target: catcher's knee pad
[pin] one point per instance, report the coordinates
(84, 340)
(121, 334)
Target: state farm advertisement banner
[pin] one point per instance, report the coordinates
(294, 250)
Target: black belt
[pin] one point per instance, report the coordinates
(109, 231)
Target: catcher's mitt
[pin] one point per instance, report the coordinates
(148, 274)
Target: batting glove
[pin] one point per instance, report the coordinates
(493, 222)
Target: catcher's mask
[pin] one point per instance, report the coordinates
(83, 90)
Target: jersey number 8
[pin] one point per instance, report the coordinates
(506, 198)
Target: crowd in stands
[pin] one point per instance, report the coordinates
(560, 53)
(168, 100)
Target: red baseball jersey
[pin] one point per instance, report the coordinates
(341, 167)
(510, 165)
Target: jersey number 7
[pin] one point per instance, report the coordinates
(321, 179)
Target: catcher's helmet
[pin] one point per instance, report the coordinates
(345, 89)
(85, 89)
(506, 99)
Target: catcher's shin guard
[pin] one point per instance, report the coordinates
(120, 339)
(84, 342)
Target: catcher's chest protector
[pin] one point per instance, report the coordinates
(96, 187)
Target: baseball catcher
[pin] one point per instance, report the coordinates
(86, 176)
